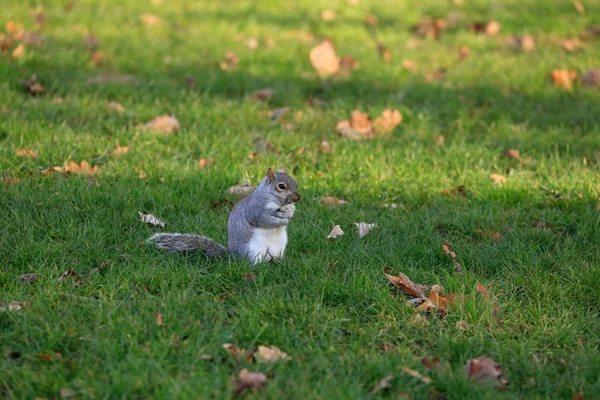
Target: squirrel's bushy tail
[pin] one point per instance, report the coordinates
(186, 242)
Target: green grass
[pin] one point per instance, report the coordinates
(326, 304)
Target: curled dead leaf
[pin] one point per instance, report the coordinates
(248, 380)
(524, 42)
(329, 200)
(69, 273)
(33, 86)
(498, 179)
(384, 52)
(416, 374)
(464, 52)
(461, 325)
(484, 369)
(262, 94)
(270, 354)
(482, 289)
(515, 154)
(118, 107)
(324, 60)
(18, 52)
(13, 306)
(120, 150)
(563, 78)
(158, 318)
(231, 62)
(364, 228)
(151, 220)
(205, 162)
(335, 232)
(26, 152)
(165, 124)
(570, 45)
(388, 120)
(328, 15)
(403, 282)
(151, 19)
(458, 268)
(410, 65)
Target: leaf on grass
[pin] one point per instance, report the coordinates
(458, 268)
(325, 147)
(249, 277)
(563, 78)
(578, 6)
(484, 369)
(158, 318)
(33, 86)
(270, 354)
(329, 200)
(151, 19)
(437, 302)
(461, 325)
(482, 289)
(118, 107)
(110, 78)
(364, 228)
(436, 75)
(489, 234)
(15, 29)
(383, 384)
(13, 306)
(464, 52)
(570, 45)
(384, 52)
(83, 168)
(498, 179)
(524, 42)
(388, 120)
(231, 62)
(416, 374)
(240, 190)
(28, 278)
(248, 380)
(26, 152)
(335, 232)
(490, 28)
(49, 357)
(97, 59)
(67, 393)
(166, 124)
(151, 219)
(262, 95)
(403, 282)
(410, 65)
(72, 274)
(120, 150)
(430, 27)
(205, 162)
(359, 127)
(18, 52)
(324, 60)
(515, 154)
(328, 15)
(591, 79)
(434, 364)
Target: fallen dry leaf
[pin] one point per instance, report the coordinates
(482, 289)
(461, 325)
(69, 273)
(240, 190)
(263, 94)
(325, 147)
(252, 43)
(416, 374)
(571, 45)
(18, 52)
(249, 277)
(28, 278)
(492, 28)
(151, 220)
(324, 60)
(383, 51)
(97, 58)
(5, 42)
(437, 288)
(166, 124)
(27, 152)
(591, 79)
(83, 168)
(515, 154)
(118, 107)
(205, 162)
(347, 64)
(13, 306)
(236, 352)
(489, 234)
(328, 15)
(231, 62)
(524, 42)
(419, 320)
(458, 268)
(578, 6)
(248, 380)
(151, 19)
(464, 52)
(335, 232)
(498, 179)
(383, 384)
(371, 20)
(270, 354)
(329, 200)
(436, 75)
(67, 393)
(360, 126)
(388, 120)
(110, 78)
(364, 228)
(430, 28)
(403, 282)
(159, 320)
(563, 78)
(49, 357)
(33, 86)
(15, 29)
(410, 65)
(437, 302)
(484, 369)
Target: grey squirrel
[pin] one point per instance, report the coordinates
(257, 225)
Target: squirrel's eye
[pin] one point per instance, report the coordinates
(281, 186)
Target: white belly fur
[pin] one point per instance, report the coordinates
(267, 244)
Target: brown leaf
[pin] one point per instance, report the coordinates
(91, 42)
(436, 75)
(410, 65)
(205, 162)
(249, 277)
(325, 147)
(151, 19)
(492, 28)
(484, 369)
(26, 152)
(151, 220)
(578, 6)
(67, 393)
(49, 357)
(69, 273)
(15, 29)
(383, 384)
(165, 124)
(383, 51)
(262, 95)
(364, 228)
(328, 200)
(403, 282)
(371, 20)
(458, 268)
(430, 28)
(235, 351)
(563, 78)
(515, 154)
(19, 51)
(437, 288)
(461, 325)
(248, 380)
(328, 15)
(335, 232)
(416, 374)
(33, 86)
(571, 45)
(118, 107)
(324, 60)
(5, 42)
(482, 289)
(361, 122)
(240, 190)
(13, 306)
(159, 320)
(591, 79)
(464, 52)
(97, 59)
(388, 121)
(270, 354)
(231, 62)
(498, 179)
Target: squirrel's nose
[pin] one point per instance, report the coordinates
(296, 198)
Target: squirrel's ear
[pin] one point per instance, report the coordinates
(281, 170)
(270, 176)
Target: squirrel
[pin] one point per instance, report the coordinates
(257, 225)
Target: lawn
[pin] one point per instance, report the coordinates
(133, 322)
